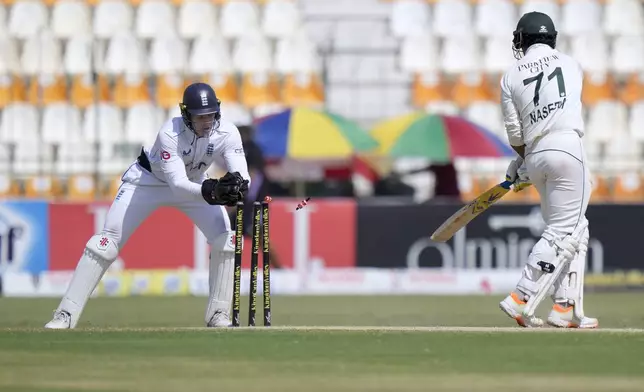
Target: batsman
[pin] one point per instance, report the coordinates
(170, 171)
(542, 109)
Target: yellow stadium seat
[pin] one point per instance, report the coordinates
(131, 90)
(628, 188)
(226, 87)
(169, 91)
(83, 91)
(493, 86)
(601, 189)
(8, 187)
(633, 90)
(12, 89)
(304, 89)
(259, 89)
(598, 88)
(428, 89)
(112, 188)
(42, 187)
(47, 89)
(81, 187)
(469, 89)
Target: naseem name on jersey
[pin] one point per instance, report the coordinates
(542, 113)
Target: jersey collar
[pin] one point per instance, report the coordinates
(537, 46)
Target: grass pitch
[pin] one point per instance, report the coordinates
(157, 344)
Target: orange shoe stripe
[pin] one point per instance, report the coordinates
(561, 309)
(516, 298)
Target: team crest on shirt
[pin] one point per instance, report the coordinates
(210, 149)
(165, 155)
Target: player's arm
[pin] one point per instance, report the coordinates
(214, 192)
(174, 170)
(234, 156)
(511, 118)
(520, 150)
(231, 188)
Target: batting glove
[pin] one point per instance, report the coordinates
(522, 181)
(511, 174)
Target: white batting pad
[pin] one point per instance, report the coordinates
(222, 261)
(97, 257)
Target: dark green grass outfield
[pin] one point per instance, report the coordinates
(155, 344)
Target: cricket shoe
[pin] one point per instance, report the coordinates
(61, 320)
(219, 319)
(564, 317)
(513, 306)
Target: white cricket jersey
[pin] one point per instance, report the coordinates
(179, 159)
(541, 94)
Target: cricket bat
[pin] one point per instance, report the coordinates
(465, 215)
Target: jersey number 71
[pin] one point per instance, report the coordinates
(560, 82)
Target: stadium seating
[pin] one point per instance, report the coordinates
(70, 19)
(27, 18)
(154, 19)
(107, 73)
(81, 188)
(410, 19)
(112, 17)
(75, 158)
(61, 124)
(197, 19)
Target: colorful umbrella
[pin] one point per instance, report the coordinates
(302, 133)
(439, 138)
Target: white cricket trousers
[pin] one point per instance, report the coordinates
(131, 206)
(558, 168)
(134, 203)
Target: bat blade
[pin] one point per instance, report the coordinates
(470, 211)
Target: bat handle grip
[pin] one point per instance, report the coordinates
(506, 184)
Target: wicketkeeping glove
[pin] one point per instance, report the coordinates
(227, 190)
